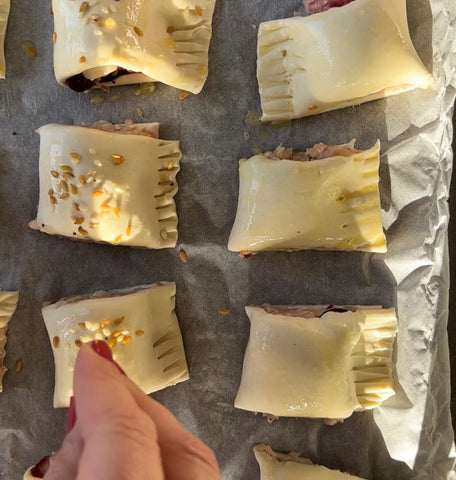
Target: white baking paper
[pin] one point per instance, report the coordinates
(410, 437)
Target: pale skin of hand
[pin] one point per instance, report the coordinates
(122, 434)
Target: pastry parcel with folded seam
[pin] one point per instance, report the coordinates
(317, 362)
(8, 303)
(106, 43)
(325, 198)
(279, 466)
(108, 183)
(139, 325)
(340, 57)
(4, 12)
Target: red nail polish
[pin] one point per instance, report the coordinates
(102, 349)
(71, 414)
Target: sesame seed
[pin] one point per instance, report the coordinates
(64, 185)
(18, 366)
(54, 37)
(139, 112)
(53, 200)
(117, 333)
(159, 284)
(82, 59)
(64, 196)
(97, 193)
(224, 311)
(117, 239)
(164, 234)
(170, 165)
(75, 206)
(92, 151)
(104, 323)
(55, 174)
(78, 343)
(183, 256)
(117, 159)
(29, 49)
(66, 168)
(138, 31)
(77, 220)
(197, 11)
(116, 212)
(75, 156)
(105, 207)
(126, 339)
(83, 7)
(139, 332)
(171, 29)
(128, 230)
(74, 189)
(82, 231)
(82, 179)
(183, 95)
(94, 18)
(67, 175)
(56, 342)
(51, 192)
(97, 100)
(50, 11)
(93, 225)
(111, 343)
(119, 320)
(82, 325)
(128, 121)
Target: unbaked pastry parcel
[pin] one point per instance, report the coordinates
(324, 198)
(279, 466)
(4, 12)
(139, 325)
(108, 183)
(8, 303)
(343, 56)
(317, 362)
(106, 43)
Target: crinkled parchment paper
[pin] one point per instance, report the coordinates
(410, 436)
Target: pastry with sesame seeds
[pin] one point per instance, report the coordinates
(108, 183)
(106, 43)
(138, 324)
(8, 303)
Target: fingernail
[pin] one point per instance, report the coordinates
(71, 414)
(102, 349)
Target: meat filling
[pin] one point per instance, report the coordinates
(319, 151)
(144, 129)
(318, 6)
(79, 83)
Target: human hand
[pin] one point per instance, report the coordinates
(119, 433)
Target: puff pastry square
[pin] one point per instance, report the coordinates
(8, 303)
(108, 183)
(140, 326)
(317, 362)
(279, 466)
(344, 56)
(132, 41)
(283, 197)
(4, 12)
